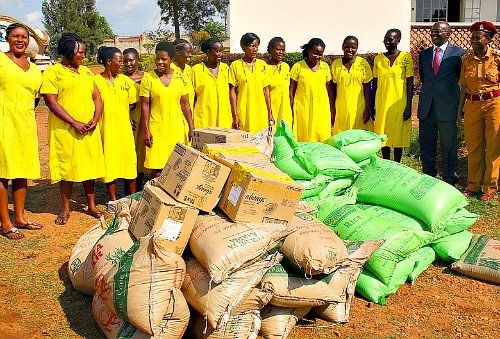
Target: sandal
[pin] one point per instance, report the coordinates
(61, 219)
(30, 225)
(13, 234)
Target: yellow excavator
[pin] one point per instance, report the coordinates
(38, 45)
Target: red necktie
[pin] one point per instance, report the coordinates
(435, 63)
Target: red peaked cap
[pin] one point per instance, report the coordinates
(484, 26)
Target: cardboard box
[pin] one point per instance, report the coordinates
(159, 211)
(193, 178)
(260, 195)
(217, 135)
(241, 152)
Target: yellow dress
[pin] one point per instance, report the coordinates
(390, 99)
(166, 120)
(73, 157)
(311, 105)
(186, 73)
(350, 99)
(18, 133)
(140, 148)
(212, 106)
(116, 131)
(250, 104)
(279, 89)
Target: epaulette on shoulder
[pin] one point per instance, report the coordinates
(495, 51)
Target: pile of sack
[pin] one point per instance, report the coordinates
(219, 246)
(362, 197)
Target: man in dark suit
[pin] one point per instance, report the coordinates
(439, 68)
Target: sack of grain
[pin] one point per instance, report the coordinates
(423, 258)
(218, 302)
(313, 246)
(357, 144)
(315, 185)
(278, 322)
(115, 327)
(288, 157)
(222, 246)
(352, 223)
(141, 289)
(482, 259)
(244, 325)
(80, 260)
(460, 221)
(117, 240)
(451, 247)
(358, 254)
(402, 188)
(326, 206)
(329, 160)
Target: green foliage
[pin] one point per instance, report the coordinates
(104, 27)
(77, 16)
(188, 14)
(196, 38)
(215, 30)
(292, 58)
(147, 62)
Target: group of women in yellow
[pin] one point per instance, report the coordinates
(123, 122)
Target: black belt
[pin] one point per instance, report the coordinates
(483, 96)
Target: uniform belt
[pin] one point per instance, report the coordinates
(483, 96)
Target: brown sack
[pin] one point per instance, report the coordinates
(222, 246)
(115, 327)
(80, 260)
(278, 322)
(481, 260)
(313, 246)
(141, 288)
(219, 301)
(358, 253)
(117, 240)
(239, 326)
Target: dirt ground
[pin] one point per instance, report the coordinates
(37, 299)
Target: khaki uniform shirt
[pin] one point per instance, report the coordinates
(479, 76)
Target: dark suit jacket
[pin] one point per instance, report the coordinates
(442, 88)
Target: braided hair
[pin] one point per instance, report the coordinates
(307, 47)
(105, 53)
(67, 43)
(207, 45)
(131, 51)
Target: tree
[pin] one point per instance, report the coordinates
(221, 8)
(104, 27)
(76, 16)
(188, 14)
(155, 37)
(215, 30)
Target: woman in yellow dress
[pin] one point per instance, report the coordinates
(279, 81)
(118, 95)
(20, 83)
(183, 50)
(311, 94)
(165, 109)
(249, 88)
(393, 88)
(211, 86)
(131, 69)
(75, 147)
(351, 76)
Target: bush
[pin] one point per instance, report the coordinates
(196, 38)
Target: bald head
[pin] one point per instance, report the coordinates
(440, 32)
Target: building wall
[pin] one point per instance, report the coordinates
(488, 10)
(297, 21)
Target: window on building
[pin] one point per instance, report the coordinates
(431, 10)
(472, 9)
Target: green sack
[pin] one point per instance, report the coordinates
(352, 223)
(402, 188)
(460, 221)
(423, 258)
(288, 157)
(335, 187)
(315, 185)
(325, 206)
(364, 163)
(329, 160)
(451, 248)
(357, 144)
(392, 215)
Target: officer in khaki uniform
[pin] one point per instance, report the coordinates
(480, 101)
